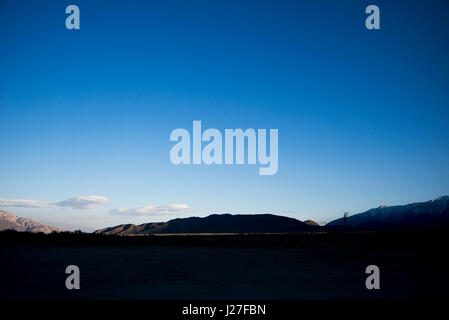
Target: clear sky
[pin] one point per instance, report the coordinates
(363, 115)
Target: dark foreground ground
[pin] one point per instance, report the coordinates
(288, 267)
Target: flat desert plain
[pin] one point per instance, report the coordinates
(172, 269)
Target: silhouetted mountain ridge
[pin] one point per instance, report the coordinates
(420, 214)
(217, 223)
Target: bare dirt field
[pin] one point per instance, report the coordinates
(324, 270)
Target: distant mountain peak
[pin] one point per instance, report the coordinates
(440, 198)
(419, 214)
(9, 221)
(311, 223)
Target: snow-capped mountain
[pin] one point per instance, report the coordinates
(433, 212)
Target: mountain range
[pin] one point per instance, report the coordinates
(421, 214)
(433, 213)
(9, 221)
(218, 223)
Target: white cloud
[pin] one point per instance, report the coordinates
(83, 202)
(152, 210)
(23, 203)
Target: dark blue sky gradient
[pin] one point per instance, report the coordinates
(363, 116)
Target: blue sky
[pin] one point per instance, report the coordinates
(363, 116)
